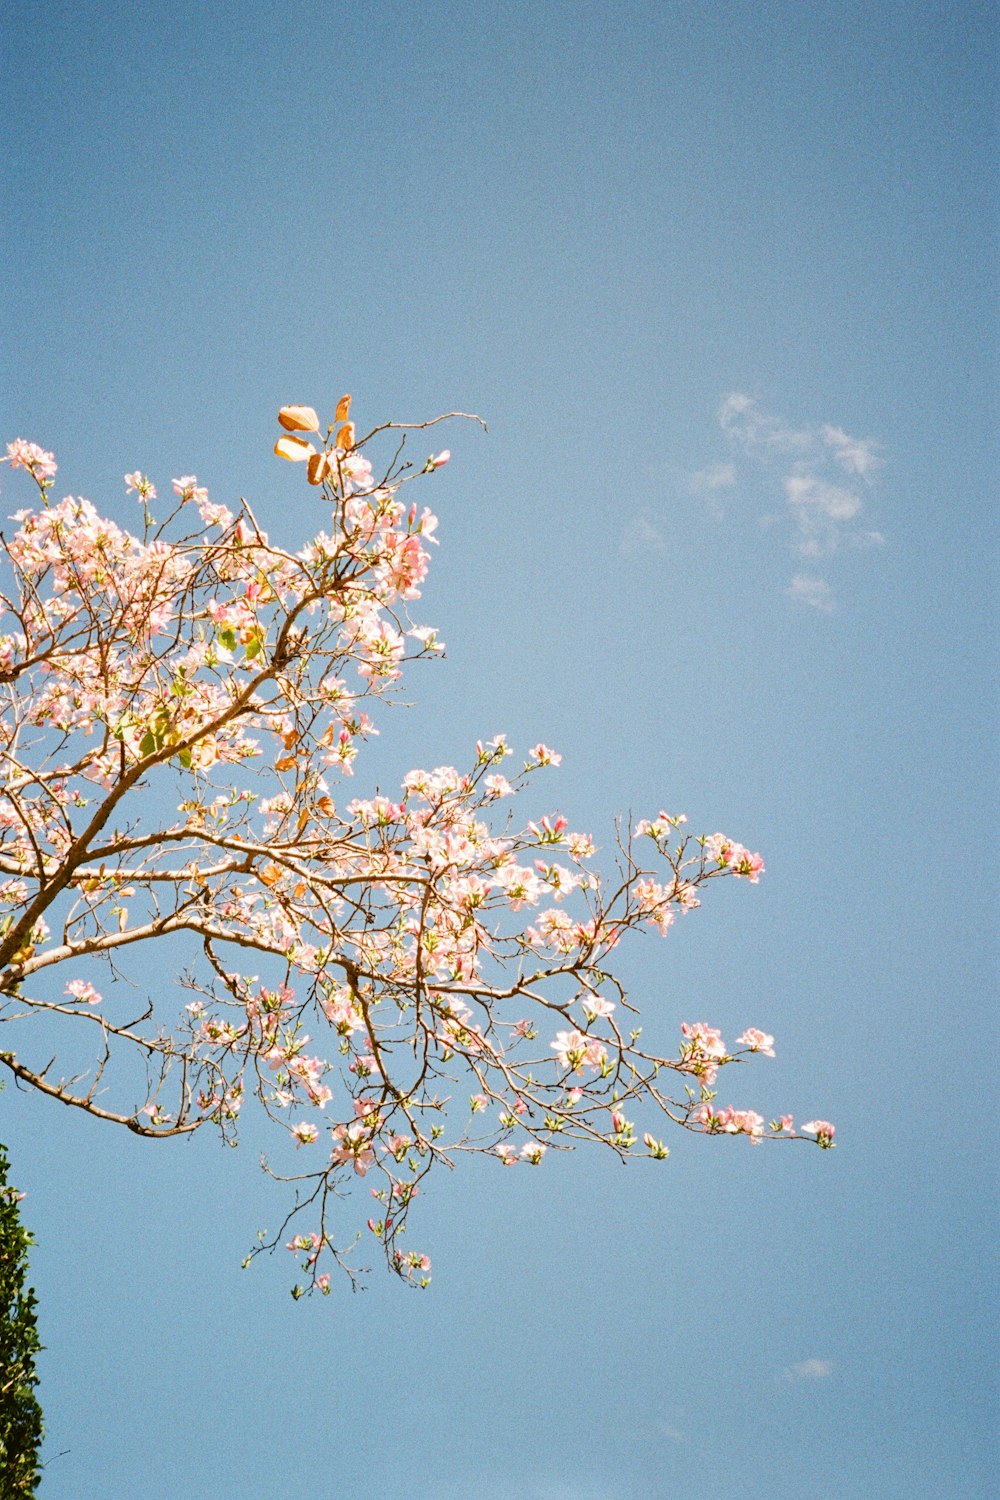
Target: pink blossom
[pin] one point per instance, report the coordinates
(545, 756)
(155, 1114)
(81, 990)
(189, 489)
(23, 455)
(757, 1041)
(532, 1152)
(660, 826)
(305, 1133)
(213, 515)
(364, 1065)
(353, 1146)
(575, 1051)
(822, 1130)
(141, 484)
(595, 1006)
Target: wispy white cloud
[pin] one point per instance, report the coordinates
(744, 420)
(715, 477)
(641, 537)
(809, 1369)
(867, 539)
(815, 592)
(819, 509)
(710, 484)
(856, 455)
(809, 493)
(822, 473)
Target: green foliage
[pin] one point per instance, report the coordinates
(20, 1413)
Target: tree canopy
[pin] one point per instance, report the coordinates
(396, 979)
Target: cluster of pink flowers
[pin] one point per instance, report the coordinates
(737, 859)
(39, 464)
(576, 1052)
(729, 1121)
(702, 1052)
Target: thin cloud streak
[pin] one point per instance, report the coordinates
(715, 477)
(809, 1369)
(640, 538)
(815, 592)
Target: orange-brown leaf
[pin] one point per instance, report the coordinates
(298, 419)
(317, 468)
(293, 448)
(345, 437)
(343, 409)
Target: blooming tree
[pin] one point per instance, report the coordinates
(394, 981)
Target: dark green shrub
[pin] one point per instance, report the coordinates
(20, 1413)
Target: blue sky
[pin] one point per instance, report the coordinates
(717, 276)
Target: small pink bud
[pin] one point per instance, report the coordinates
(437, 461)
